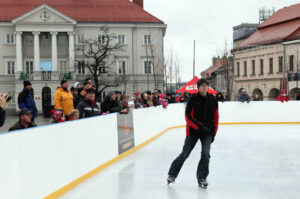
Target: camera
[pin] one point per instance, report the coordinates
(8, 98)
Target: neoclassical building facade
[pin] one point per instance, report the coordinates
(38, 42)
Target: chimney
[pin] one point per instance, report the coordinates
(139, 3)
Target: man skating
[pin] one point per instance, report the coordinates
(202, 119)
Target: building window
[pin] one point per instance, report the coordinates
(10, 39)
(101, 39)
(81, 68)
(253, 67)
(280, 64)
(63, 67)
(271, 65)
(261, 66)
(28, 39)
(147, 66)
(291, 62)
(10, 67)
(238, 68)
(121, 39)
(245, 68)
(46, 38)
(80, 39)
(62, 40)
(147, 39)
(29, 67)
(122, 67)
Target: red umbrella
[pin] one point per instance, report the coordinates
(189, 87)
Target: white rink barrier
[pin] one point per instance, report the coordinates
(37, 162)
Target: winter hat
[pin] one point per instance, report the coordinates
(76, 84)
(201, 81)
(24, 111)
(283, 91)
(79, 90)
(130, 103)
(62, 82)
(27, 83)
(110, 93)
(136, 93)
(56, 114)
(162, 96)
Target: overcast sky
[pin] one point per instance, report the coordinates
(208, 22)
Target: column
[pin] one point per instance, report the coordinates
(36, 51)
(54, 51)
(19, 56)
(71, 52)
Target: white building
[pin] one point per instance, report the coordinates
(36, 34)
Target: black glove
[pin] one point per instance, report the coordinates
(205, 130)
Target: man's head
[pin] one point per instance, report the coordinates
(27, 85)
(244, 91)
(203, 86)
(89, 80)
(87, 85)
(64, 84)
(25, 116)
(90, 94)
(256, 96)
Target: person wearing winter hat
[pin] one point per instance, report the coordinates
(283, 97)
(57, 116)
(78, 97)
(202, 119)
(63, 98)
(77, 85)
(244, 97)
(24, 120)
(26, 100)
(110, 103)
(87, 107)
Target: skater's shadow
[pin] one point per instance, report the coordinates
(172, 193)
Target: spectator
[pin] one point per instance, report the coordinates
(156, 96)
(4, 99)
(256, 98)
(244, 97)
(149, 98)
(178, 98)
(74, 115)
(86, 86)
(77, 85)
(145, 100)
(186, 96)
(131, 105)
(118, 94)
(79, 97)
(89, 80)
(110, 104)
(220, 97)
(283, 97)
(181, 99)
(73, 91)
(63, 98)
(57, 116)
(26, 100)
(162, 100)
(87, 107)
(124, 102)
(172, 99)
(24, 120)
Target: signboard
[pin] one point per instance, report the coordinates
(125, 132)
(293, 77)
(46, 65)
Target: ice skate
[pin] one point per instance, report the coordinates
(170, 180)
(203, 183)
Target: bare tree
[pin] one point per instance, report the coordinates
(157, 64)
(173, 72)
(99, 58)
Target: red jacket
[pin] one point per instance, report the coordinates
(283, 98)
(202, 111)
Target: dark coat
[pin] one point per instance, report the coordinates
(87, 109)
(202, 112)
(244, 98)
(19, 125)
(77, 99)
(25, 100)
(2, 116)
(113, 106)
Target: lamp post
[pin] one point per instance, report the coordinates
(194, 67)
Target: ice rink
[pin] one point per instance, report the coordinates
(247, 162)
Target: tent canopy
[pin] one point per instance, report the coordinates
(189, 87)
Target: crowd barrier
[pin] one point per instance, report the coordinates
(39, 161)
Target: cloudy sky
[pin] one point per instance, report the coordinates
(208, 22)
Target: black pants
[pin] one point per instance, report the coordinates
(189, 144)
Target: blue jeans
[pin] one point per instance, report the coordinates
(189, 144)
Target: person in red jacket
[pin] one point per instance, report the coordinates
(283, 97)
(202, 119)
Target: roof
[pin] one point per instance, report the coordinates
(113, 11)
(283, 25)
(216, 65)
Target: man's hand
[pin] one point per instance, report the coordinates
(3, 101)
(205, 130)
